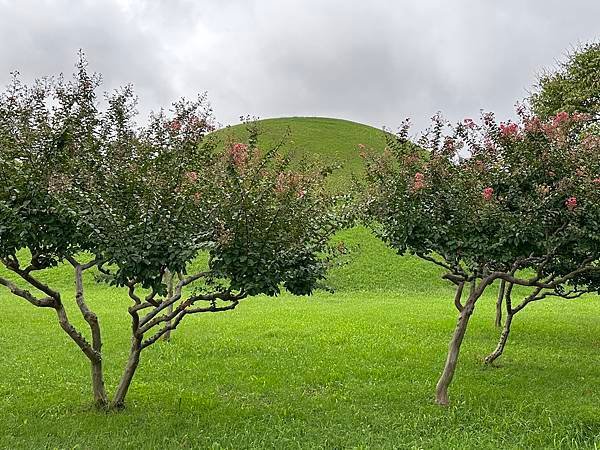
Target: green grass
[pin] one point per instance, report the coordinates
(352, 370)
(356, 369)
(333, 140)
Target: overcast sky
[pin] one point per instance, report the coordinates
(375, 61)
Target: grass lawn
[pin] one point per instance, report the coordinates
(352, 370)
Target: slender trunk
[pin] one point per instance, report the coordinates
(499, 304)
(169, 279)
(502, 342)
(130, 368)
(98, 388)
(100, 397)
(453, 351)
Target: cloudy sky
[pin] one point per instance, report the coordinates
(375, 61)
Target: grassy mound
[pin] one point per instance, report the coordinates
(331, 140)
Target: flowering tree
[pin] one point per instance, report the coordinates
(514, 202)
(94, 189)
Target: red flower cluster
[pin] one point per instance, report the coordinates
(571, 203)
(509, 129)
(488, 193)
(561, 117)
(419, 182)
(175, 125)
(192, 177)
(238, 153)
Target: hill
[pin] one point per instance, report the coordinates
(371, 266)
(330, 140)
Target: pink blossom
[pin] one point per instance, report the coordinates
(175, 125)
(509, 129)
(301, 193)
(191, 176)
(561, 117)
(488, 193)
(419, 182)
(596, 180)
(533, 125)
(571, 203)
(469, 123)
(238, 153)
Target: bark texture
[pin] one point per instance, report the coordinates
(130, 368)
(501, 342)
(501, 291)
(441, 391)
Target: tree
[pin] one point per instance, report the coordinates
(95, 189)
(574, 86)
(511, 202)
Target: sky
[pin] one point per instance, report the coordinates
(376, 62)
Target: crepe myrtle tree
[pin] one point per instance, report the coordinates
(517, 203)
(44, 129)
(96, 190)
(157, 205)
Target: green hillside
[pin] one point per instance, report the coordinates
(371, 265)
(330, 140)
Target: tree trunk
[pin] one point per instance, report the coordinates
(169, 279)
(100, 397)
(499, 304)
(502, 342)
(441, 393)
(130, 368)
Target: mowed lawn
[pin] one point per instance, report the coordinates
(356, 369)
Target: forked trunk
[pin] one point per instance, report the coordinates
(502, 342)
(129, 372)
(441, 394)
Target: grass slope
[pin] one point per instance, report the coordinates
(333, 140)
(352, 370)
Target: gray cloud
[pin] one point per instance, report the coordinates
(375, 62)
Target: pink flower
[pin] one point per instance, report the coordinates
(175, 125)
(488, 193)
(301, 193)
(191, 176)
(419, 182)
(561, 117)
(596, 180)
(533, 125)
(571, 203)
(509, 129)
(238, 153)
(469, 123)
